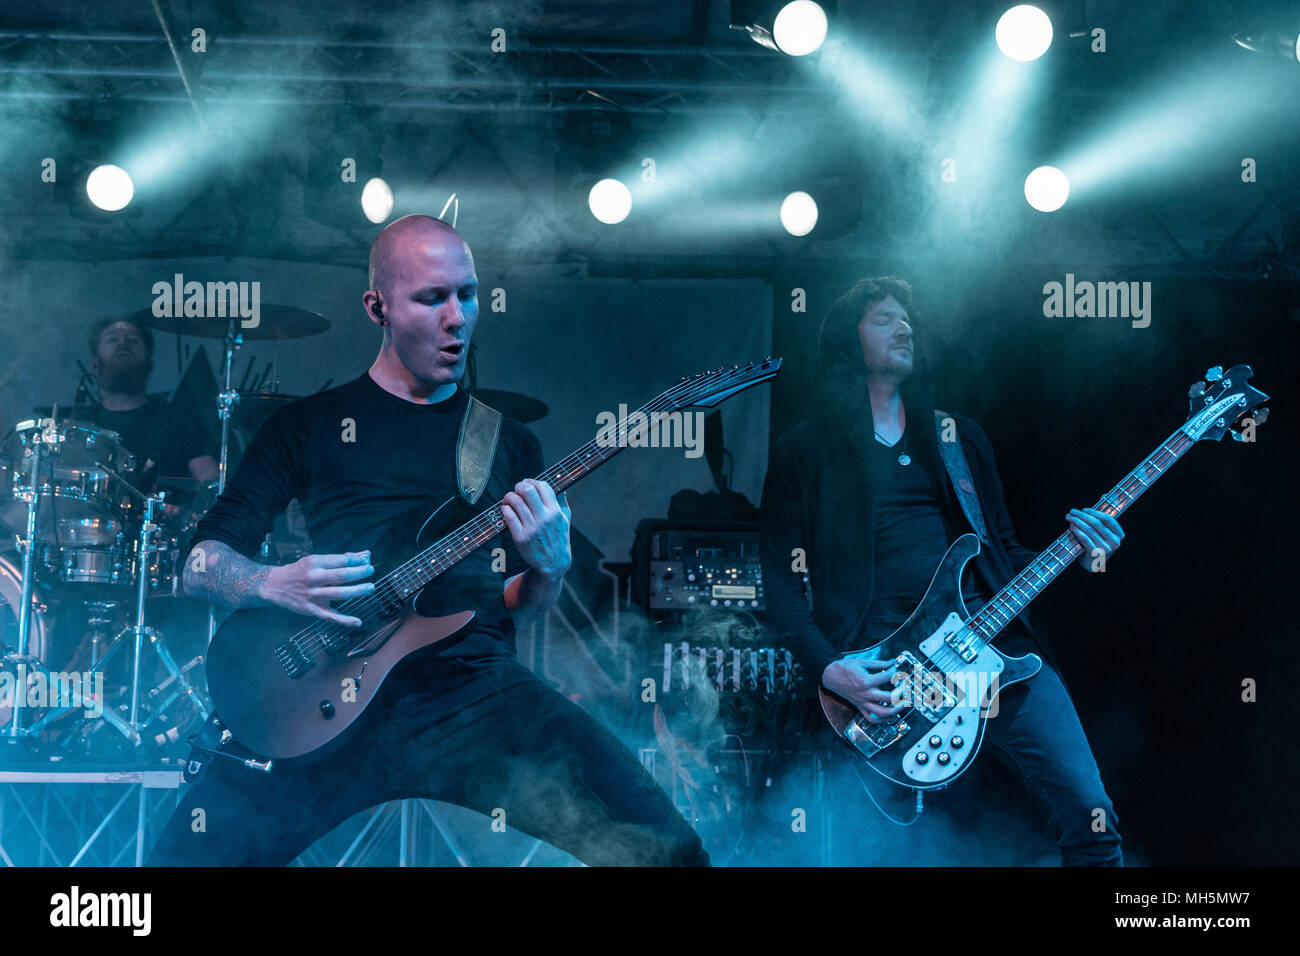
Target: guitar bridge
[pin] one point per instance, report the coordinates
(869, 739)
(293, 658)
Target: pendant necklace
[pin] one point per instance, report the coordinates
(903, 457)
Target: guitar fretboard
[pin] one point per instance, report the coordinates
(989, 621)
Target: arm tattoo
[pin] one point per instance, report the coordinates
(217, 573)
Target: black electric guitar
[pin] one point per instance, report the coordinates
(285, 685)
(949, 673)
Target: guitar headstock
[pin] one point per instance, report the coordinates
(710, 388)
(1222, 402)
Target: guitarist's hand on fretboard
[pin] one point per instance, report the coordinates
(867, 684)
(1096, 531)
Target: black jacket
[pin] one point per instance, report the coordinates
(816, 498)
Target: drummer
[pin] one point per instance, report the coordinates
(165, 444)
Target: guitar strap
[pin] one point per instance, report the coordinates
(954, 459)
(476, 447)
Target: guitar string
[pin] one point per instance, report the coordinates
(319, 633)
(1131, 486)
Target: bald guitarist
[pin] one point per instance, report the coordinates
(460, 721)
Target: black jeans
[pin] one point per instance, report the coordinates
(1037, 734)
(557, 774)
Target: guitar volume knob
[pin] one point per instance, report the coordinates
(935, 740)
(943, 758)
(327, 709)
(923, 757)
(956, 743)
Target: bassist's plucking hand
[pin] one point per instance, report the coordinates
(867, 684)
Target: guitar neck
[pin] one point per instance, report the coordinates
(1065, 550)
(483, 528)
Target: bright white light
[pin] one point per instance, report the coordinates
(1047, 189)
(610, 201)
(799, 28)
(1024, 33)
(798, 214)
(109, 187)
(377, 200)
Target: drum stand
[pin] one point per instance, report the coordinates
(226, 400)
(130, 728)
(48, 435)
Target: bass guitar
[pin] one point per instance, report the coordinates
(949, 674)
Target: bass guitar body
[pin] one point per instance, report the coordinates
(947, 682)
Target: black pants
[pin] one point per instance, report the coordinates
(555, 772)
(1037, 734)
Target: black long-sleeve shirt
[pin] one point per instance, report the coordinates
(818, 497)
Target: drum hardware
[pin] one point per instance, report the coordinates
(138, 633)
(48, 433)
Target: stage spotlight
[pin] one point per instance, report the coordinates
(377, 200)
(109, 187)
(1047, 189)
(795, 29)
(799, 213)
(1024, 33)
(610, 201)
(800, 27)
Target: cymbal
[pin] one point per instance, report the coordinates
(274, 322)
(522, 408)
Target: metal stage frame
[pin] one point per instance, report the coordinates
(83, 818)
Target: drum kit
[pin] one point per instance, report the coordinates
(101, 654)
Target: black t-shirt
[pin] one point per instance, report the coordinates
(912, 534)
(154, 432)
(366, 467)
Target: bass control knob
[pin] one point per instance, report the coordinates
(923, 757)
(943, 758)
(936, 740)
(956, 743)
(327, 709)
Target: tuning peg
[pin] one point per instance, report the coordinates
(1196, 391)
(1214, 374)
